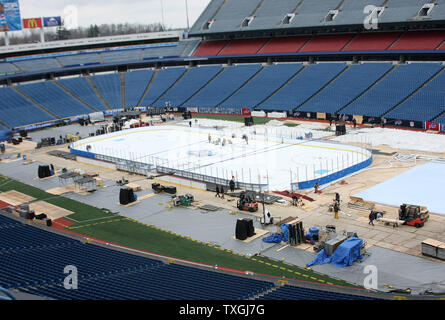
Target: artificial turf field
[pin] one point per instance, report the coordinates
(96, 223)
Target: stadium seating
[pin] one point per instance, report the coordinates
(425, 104)
(191, 83)
(82, 89)
(271, 14)
(210, 48)
(440, 119)
(420, 40)
(262, 86)
(325, 43)
(79, 59)
(288, 292)
(303, 87)
(8, 68)
(161, 82)
(109, 85)
(401, 10)
(17, 111)
(224, 85)
(347, 87)
(121, 56)
(371, 41)
(244, 46)
(392, 89)
(55, 99)
(37, 64)
(284, 44)
(34, 261)
(228, 15)
(135, 84)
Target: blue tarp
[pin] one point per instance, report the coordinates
(278, 238)
(5, 135)
(345, 255)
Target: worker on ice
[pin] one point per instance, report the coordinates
(232, 184)
(210, 138)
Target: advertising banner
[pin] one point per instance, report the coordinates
(32, 23)
(10, 19)
(52, 21)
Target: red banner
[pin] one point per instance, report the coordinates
(246, 112)
(433, 126)
(32, 23)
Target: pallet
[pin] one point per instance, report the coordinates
(258, 233)
(62, 190)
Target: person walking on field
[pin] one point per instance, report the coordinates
(217, 192)
(222, 192)
(232, 185)
(336, 209)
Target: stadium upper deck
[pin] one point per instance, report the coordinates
(232, 16)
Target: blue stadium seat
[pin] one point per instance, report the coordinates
(163, 80)
(135, 84)
(393, 89)
(346, 88)
(54, 99)
(192, 82)
(82, 89)
(262, 86)
(109, 86)
(224, 85)
(303, 87)
(17, 111)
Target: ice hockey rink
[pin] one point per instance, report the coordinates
(266, 158)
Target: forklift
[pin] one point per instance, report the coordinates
(414, 216)
(245, 203)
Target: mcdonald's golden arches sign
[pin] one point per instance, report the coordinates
(32, 23)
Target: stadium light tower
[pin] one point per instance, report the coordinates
(187, 14)
(162, 12)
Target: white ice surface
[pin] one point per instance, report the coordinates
(273, 160)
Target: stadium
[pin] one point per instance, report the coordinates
(276, 150)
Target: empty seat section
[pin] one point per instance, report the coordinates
(346, 87)
(17, 111)
(438, 12)
(327, 43)
(440, 119)
(206, 15)
(162, 51)
(271, 14)
(303, 87)
(164, 79)
(392, 89)
(37, 64)
(262, 86)
(312, 12)
(194, 79)
(401, 10)
(210, 48)
(223, 86)
(121, 56)
(55, 99)
(288, 292)
(135, 84)
(232, 14)
(351, 12)
(186, 47)
(109, 85)
(372, 41)
(82, 89)
(426, 104)
(284, 44)
(8, 68)
(420, 40)
(79, 59)
(243, 46)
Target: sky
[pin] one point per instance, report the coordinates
(119, 11)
